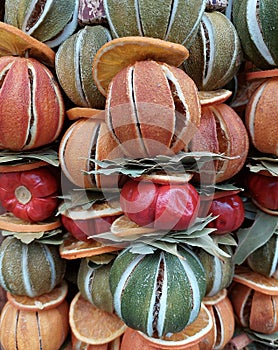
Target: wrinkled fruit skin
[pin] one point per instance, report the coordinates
(30, 195)
(81, 229)
(164, 207)
(231, 214)
(264, 190)
(32, 110)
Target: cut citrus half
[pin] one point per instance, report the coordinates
(76, 113)
(10, 222)
(9, 168)
(119, 53)
(43, 302)
(256, 281)
(166, 179)
(14, 42)
(208, 98)
(191, 334)
(124, 227)
(72, 248)
(93, 325)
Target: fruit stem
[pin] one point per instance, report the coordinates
(22, 194)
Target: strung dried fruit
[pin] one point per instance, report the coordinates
(163, 207)
(30, 269)
(152, 108)
(31, 104)
(73, 65)
(215, 54)
(50, 22)
(177, 22)
(30, 195)
(157, 293)
(221, 131)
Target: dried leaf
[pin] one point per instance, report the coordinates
(24, 237)
(269, 164)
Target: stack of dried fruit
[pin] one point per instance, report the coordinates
(160, 203)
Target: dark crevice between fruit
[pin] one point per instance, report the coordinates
(39, 330)
(207, 48)
(32, 117)
(258, 15)
(138, 17)
(35, 14)
(247, 308)
(158, 292)
(16, 326)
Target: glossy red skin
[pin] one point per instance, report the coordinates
(42, 183)
(81, 229)
(264, 190)
(163, 207)
(231, 214)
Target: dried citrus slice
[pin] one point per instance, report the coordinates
(208, 98)
(261, 74)
(124, 227)
(121, 52)
(10, 222)
(22, 166)
(191, 334)
(76, 113)
(72, 248)
(256, 281)
(43, 302)
(14, 42)
(166, 179)
(93, 325)
(215, 298)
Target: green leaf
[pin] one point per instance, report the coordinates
(140, 248)
(226, 239)
(253, 237)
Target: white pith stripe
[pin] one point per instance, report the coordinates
(242, 310)
(256, 97)
(76, 60)
(4, 246)
(111, 25)
(196, 298)
(220, 331)
(208, 25)
(197, 23)
(138, 20)
(172, 18)
(275, 258)
(25, 272)
(50, 260)
(32, 5)
(86, 285)
(163, 299)
(217, 273)
(255, 32)
(122, 282)
(68, 29)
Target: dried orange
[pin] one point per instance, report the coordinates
(76, 113)
(30, 165)
(261, 74)
(10, 222)
(121, 52)
(166, 179)
(43, 302)
(72, 248)
(208, 98)
(124, 227)
(14, 42)
(93, 325)
(256, 281)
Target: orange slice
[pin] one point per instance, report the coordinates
(165, 179)
(10, 222)
(93, 325)
(191, 334)
(118, 53)
(208, 98)
(22, 166)
(124, 227)
(76, 113)
(256, 281)
(215, 298)
(262, 74)
(72, 248)
(14, 42)
(43, 302)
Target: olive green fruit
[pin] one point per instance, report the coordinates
(264, 260)
(50, 22)
(30, 269)
(257, 26)
(219, 271)
(215, 55)
(73, 65)
(157, 293)
(93, 284)
(175, 21)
